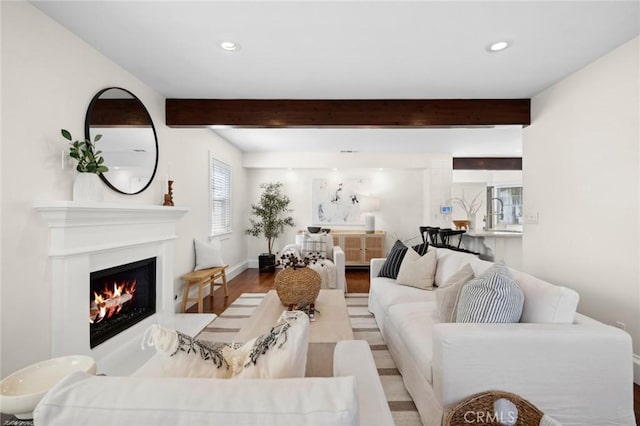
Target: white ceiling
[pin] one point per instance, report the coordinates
(352, 50)
(503, 140)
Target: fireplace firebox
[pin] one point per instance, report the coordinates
(120, 297)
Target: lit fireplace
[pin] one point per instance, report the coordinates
(120, 297)
(111, 301)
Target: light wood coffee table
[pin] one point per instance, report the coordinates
(331, 325)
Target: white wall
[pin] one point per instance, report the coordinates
(188, 158)
(580, 171)
(401, 193)
(490, 177)
(48, 79)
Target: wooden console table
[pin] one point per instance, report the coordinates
(359, 247)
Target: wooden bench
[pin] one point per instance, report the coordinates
(202, 278)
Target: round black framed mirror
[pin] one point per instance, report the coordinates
(129, 141)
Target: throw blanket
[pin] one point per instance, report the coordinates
(324, 267)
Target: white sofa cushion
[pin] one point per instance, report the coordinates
(385, 292)
(413, 322)
(417, 271)
(545, 302)
(82, 399)
(450, 262)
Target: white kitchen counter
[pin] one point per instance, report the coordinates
(496, 246)
(495, 234)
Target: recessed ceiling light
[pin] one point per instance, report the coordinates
(230, 46)
(498, 46)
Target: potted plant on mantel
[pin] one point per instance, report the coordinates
(271, 220)
(87, 186)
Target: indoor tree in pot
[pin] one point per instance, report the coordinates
(87, 186)
(271, 212)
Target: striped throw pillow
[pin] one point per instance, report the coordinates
(391, 266)
(421, 249)
(494, 297)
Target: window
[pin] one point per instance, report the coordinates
(220, 196)
(506, 206)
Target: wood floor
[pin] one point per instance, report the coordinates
(251, 281)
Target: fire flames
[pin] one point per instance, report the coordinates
(110, 301)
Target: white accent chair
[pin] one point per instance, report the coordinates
(335, 255)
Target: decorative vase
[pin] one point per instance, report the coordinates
(297, 286)
(88, 187)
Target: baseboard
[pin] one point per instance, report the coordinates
(636, 369)
(232, 272)
(252, 263)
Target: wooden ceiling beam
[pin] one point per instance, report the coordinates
(118, 113)
(398, 113)
(487, 163)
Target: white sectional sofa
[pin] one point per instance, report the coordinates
(575, 369)
(353, 396)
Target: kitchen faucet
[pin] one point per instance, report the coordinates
(489, 218)
(501, 212)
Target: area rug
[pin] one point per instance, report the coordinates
(225, 327)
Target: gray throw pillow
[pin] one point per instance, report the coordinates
(494, 297)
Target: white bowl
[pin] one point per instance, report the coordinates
(22, 391)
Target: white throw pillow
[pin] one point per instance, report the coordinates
(448, 293)
(207, 255)
(280, 353)
(179, 355)
(314, 245)
(417, 271)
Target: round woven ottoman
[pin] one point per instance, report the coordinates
(297, 286)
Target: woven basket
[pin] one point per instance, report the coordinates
(478, 410)
(297, 286)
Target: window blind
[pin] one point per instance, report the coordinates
(220, 196)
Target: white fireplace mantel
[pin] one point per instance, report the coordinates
(76, 213)
(111, 225)
(88, 237)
